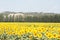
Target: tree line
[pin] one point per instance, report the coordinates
(44, 17)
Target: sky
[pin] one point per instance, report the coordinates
(30, 5)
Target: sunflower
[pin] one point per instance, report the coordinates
(58, 37)
(49, 35)
(39, 35)
(55, 35)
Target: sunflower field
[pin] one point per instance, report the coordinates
(29, 31)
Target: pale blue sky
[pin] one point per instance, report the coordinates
(30, 5)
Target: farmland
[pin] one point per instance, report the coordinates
(29, 31)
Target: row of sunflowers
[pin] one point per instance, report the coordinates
(29, 31)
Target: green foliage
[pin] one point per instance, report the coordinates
(30, 17)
